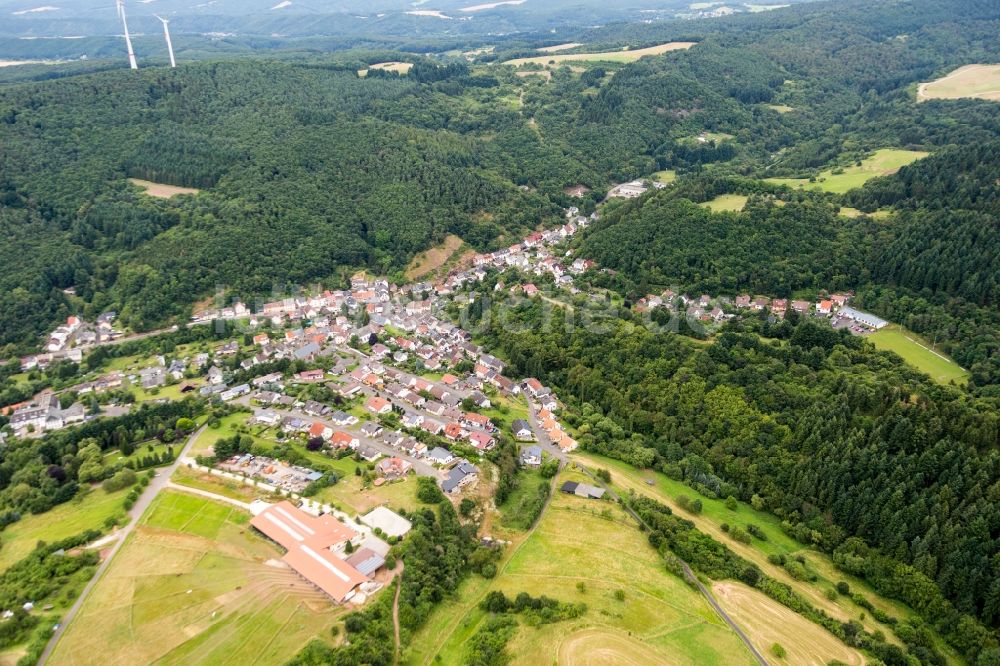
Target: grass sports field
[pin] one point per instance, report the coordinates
(666, 176)
(579, 541)
(86, 511)
(918, 353)
(883, 162)
(726, 203)
(193, 585)
(977, 81)
(611, 56)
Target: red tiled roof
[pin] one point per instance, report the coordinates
(308, 540)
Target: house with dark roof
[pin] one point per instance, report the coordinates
(459, 476)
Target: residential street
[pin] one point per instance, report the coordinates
(419, 466)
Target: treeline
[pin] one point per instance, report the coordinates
(36, 475)
(836, 438)
(677, 540)
(49, 574)
(667, 241)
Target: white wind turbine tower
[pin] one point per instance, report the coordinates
(166, 33)
(128, 40)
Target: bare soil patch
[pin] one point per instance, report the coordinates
(160, 190)
(430, 260)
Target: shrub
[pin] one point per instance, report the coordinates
(778, 651)
(740, 534)
(731, 503)
(122, 479)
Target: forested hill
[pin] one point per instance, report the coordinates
(310, 171)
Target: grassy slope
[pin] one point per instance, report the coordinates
(714, 512)
(726, 202)
(882, 163)
(190, 587)
(86, 511)
(660, 620)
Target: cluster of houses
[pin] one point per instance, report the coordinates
(77, 333)
(43, 414)
(534, 255)
(291, 478)
(706, 308)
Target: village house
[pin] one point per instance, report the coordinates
(531, 456)
(393, 468)
(344, 440)
(522, 430)
(378, 405)
(459, 476)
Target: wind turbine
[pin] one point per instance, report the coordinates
(166, 33)
(128, 40)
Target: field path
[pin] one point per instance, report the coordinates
(158, 483)
(395, 617)
(210, 495)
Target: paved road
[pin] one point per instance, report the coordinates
(158, 483)
(419, 466)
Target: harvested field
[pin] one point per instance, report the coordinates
(975, 81)
(597, 647)
(767, 622)
(610, 56)
(392, 66)
(193, 586)
(160, 190)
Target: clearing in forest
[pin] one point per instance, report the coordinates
(975, 81)
(160, 190)
(884, 162)
(430, 260)
(726, 203)
(767, 622)
(194, 585)
(624, 55)
(392, 66)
